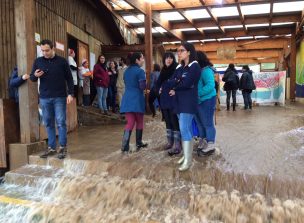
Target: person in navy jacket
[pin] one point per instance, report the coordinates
(133, 101)
(184, 90)
(172, 127)
(15, 82)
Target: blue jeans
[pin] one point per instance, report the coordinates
(54, 109)
(112, 96)
(247, 98)
(205, 121)
(185, 126)
(102, 97)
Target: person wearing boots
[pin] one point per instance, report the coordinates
(231, 85)
(206, 106)
(133, 101)
(184, 87)
(172, 127)
(247, 85)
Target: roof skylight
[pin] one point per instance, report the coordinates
(232, 27)
(208, 40)
(209, 28)
(244, 37)
(257, 25)
(131, 19)
(281, 23)
(225, 39)
(288, 6)
(160, 29)
(255, 9)
(187, 29)
(197, 14)
(171, 16)
(225, 11)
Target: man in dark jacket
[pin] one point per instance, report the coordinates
(247, 85)
(231, 85)
(55, 77)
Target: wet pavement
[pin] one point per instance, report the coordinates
(255, 176)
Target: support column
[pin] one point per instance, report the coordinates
(293, 59)
(28, 93)
(148, 40)
(26, 54)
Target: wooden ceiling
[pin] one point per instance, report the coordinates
(254, 28)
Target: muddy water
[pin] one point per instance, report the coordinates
(256, 176)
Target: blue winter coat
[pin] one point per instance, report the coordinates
(133, 99)
(206, 85)
(15, 82)
(184, 82)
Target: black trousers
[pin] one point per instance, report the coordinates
(152, 97)
(171, 119)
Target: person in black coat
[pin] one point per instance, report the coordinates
(231, 85)
(247, 85)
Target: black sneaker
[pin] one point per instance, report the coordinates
(62, 152)
(48, 152)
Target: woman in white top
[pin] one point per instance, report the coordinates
(86, 74)
(73, 67)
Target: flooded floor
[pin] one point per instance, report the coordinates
(255, 176)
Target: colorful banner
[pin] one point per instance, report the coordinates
(300, 72)
(270, 88)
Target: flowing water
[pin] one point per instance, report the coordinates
(256, 176)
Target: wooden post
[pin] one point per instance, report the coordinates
(148, 40)
(26, 53)
(293, 58)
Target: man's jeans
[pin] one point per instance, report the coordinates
(205, 119)
(54, 109)
(102, 97)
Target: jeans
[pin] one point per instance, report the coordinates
(54, 109)
(233, 97)
(205, 121)
(112, 97)
(185, 125)
(102, 97)
(247, 98)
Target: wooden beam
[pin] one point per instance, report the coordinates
(251, 54)
(270, 15)
(244, 61)
(232, 22)
(192, 4)
(213, 46)
(148, 41)
(127, 48)
(28, 93)
(138, 4)
(163, 22)
(242, 19)
(293, 59)
(213, 17)
(237, 33)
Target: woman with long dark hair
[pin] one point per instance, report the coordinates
(184, 89)
(101, 81)
(231, 85)
(166, 104)
(247, 86)
(133, 101)
(153, 91)
(206, 106)
(112, 90)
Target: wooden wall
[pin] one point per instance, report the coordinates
(7, 44)
(78, 12)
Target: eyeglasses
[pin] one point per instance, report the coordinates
(181, 50)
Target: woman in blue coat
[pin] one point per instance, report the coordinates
(133, 101)
(184, 89)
